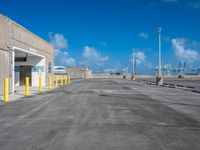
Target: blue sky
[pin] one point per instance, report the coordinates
(102, 33)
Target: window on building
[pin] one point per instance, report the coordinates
(49, 67)
(20, 59)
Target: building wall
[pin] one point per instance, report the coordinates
(13, 34)
(4, 32)
(106, 76)
(4, 70)
(78, 73)
(24, 39)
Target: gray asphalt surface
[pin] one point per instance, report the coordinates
(185, 82)
(188, 83)
(103, 115)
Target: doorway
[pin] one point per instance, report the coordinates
(25, 71)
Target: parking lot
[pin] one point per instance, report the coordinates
(192, 84)
(103, 114)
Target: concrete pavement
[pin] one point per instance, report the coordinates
(103, 114)
(191, 84)
(20, 93)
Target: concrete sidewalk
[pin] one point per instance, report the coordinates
(20, 92)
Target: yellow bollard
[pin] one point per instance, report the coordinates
(61, 81)
(49, 82)
(69, 79)
(6, 90)
(56, 78)
(65, 80)
(27, 87)
(40, 84)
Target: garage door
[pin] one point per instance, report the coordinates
(4, 68)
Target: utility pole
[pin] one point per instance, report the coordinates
(159, 51)
(133, 65)
(159, 79)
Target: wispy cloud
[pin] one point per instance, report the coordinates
(195, 4)
(60, 45)
(190, 3)
(139, 56)
(58, 41)
(92, 57)
(143, 35)
(183, 52)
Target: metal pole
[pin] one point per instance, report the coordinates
(135, 63)
(133, 69)
(159, 51)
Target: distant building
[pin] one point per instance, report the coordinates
(23, 54)
(60, 70)
(78, 72)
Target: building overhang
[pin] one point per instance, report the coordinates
(17, 49)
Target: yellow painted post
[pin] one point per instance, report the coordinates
(6, 90)
(40, 84)
(65, 79)
(69, 79)
(61, 81)
(27, 87)
(56, 81)
(49, 82)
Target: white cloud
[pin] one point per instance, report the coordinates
(58, 41)
(57, 52)
(143, 35)
(92, 57)
(60, 45)
(139, 56)
(183, 52)
(70, 61)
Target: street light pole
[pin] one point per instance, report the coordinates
(133, 66)
(159, 51)
(159, 78)
(133, 69)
